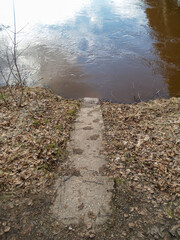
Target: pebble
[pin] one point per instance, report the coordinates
(70, 228)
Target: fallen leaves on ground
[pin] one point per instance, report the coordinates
(143, 142)
(142, 146)
(33, 139)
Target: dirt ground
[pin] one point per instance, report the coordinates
(142, 151)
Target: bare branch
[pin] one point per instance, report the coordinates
(22, 28)
(13, 76)
(23, 51)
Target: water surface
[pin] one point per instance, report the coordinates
(121, 50)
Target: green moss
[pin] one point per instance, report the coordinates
(169, 212)
(56, 150)
(46, 167)
(36, 123)
(59, 127)
(129, 158)
(46, 121)
(59, 153)
(51, 146)
(6, 97)
(118, 181)
(71, 112)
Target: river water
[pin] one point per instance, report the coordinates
(120, 50)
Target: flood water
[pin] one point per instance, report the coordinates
(120, 50)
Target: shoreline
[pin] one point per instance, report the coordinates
(141, 148)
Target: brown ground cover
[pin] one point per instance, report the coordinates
(142, 145)
(33, 142)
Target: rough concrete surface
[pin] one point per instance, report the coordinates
(86, 197)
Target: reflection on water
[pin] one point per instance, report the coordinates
(66, 80)
(164, 18)
(119, 50)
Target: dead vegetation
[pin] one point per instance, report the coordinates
(142, 149)
(142, 143)
(33, 139)
(13, 73)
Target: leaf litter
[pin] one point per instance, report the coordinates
(142, 150)
(142, 147)
(33, 141)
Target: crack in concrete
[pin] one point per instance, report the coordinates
(85, 197)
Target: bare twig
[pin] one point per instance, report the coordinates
(14, 78)
(139, 97)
